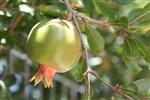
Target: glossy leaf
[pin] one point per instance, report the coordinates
(95, 39)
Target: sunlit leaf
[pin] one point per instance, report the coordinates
(95, 40)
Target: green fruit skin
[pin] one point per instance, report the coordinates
(54, 43)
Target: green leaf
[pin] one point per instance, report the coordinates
(78, 71)
(7, 40)
(130, 89)
(95, 40)
(140, 17)
(132, 65)
(126, 49)
(143, 84)
(135, 48)
(144, 51)
(123, 1)
(122, 21)
(109, 9)
(89, 7)
(132, 50)
(144, 38)
(52, 10)
(129, 48)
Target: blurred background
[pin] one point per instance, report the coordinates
(17, 17)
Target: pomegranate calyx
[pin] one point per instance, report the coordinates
(45, 74)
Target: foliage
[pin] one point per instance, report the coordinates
(120, 40)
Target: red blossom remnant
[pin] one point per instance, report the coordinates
(123, 34)
(117, 89)
(68, 17)
(44, 74)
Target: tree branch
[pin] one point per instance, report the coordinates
(116, 89)
(84, 49)
(90, 20)
(3, 4)
(15, 22)
(102, 25)
(72, 15)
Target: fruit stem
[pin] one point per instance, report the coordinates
(84, 49)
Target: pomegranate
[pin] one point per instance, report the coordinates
(55, 46)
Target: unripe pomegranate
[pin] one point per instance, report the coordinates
(55, 46)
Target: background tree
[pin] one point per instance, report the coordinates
(122, 28)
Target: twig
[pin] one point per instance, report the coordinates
(15, 22)
(125, 95)
(90, 20)
(84, 49)
(102, 25)
(74, 14)
(99, 78)
(3, 4)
